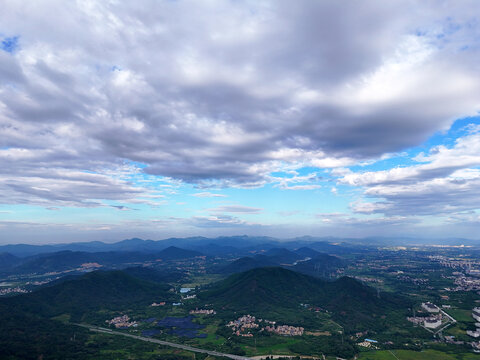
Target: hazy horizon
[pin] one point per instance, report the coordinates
(383, 240)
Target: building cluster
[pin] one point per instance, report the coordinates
(369, 279)
(433, 321)
(38, 283)
(285, 330)
(122, 322)
(414, 281)
(431, 308)
(161, 303)
(368, 343)
(12, 290)
(466, 283)
(90, 266)
(243, 326)
(455, 263)
(476, 316)
(203, 311)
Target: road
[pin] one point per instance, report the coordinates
(391, 352)
(161, 342)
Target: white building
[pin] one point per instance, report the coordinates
(431, 308)
(474, 334)
(432, 323)
(476, 314)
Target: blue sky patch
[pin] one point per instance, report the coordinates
(9, 44)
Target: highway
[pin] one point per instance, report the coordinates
(161, 342)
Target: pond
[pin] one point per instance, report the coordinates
(151, 332)
(182, 326)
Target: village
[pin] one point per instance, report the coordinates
(13, 290)
(122, 322)
(243, 326)
(203, 311)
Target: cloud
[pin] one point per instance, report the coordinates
(306, 182)
(204, 92)
(236, 209)
(363, 223)
(303, 187)
(31, 183)
(442, 161)
(219, 221)
(447, 181)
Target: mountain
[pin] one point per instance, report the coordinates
(246, 263)
(153, 275)
(93, 291)
(306, 252)
(8, 260)
(25, 336)
(275, 290)
(321, 265)
(217, 250)
(24, 250)
(219, 245)
(243, 243)
(260, 289)
(67, 260)
(27, 332)
(175, 253)
(282, 256)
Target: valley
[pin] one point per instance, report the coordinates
(297, 298)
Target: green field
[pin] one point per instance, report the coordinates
(201, 280)
(461, 315)
(414, 355)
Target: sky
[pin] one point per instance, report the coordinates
(154, 119)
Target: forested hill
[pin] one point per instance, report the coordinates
(270, 290)
(93, 291)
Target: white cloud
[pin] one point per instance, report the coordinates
(447, 181)
(236, 209)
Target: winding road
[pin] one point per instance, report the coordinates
(161, 342)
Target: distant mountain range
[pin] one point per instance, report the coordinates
(232, 245)
(228, 244)
(309, 255)
(68, 259)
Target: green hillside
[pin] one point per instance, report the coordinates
(274, 290)
(91, 292)
(320, 266)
